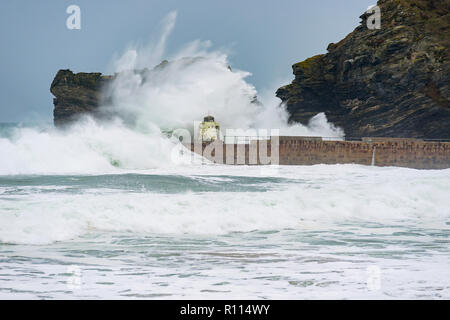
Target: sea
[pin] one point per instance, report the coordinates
(103, 213)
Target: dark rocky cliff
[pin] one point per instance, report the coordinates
(76, 94)
(392, 81)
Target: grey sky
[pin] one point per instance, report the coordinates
(265, 36)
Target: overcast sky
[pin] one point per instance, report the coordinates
(265, 37)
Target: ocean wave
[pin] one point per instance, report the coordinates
(315, 201)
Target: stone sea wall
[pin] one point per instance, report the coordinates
(409, 153)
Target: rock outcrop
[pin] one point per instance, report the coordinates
(392, 81)
(76, 94)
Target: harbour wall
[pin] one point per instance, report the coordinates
(283, 150)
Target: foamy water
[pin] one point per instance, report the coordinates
(212, 231)
(108, 210)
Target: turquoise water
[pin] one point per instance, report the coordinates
(153, 229)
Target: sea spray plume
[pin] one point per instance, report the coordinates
(177, 93)
(151, 54)
(87, 147)
(195, 82)
(274, 114)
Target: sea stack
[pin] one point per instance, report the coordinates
(76, 94)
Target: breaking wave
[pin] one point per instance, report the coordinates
(146, 101)
(62, 208)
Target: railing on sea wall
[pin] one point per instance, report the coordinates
(249, 139)
(243, 139)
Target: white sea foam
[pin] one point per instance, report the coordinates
(316, 199)
(87, 147)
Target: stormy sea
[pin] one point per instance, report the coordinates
(108, 209)
(72, 225)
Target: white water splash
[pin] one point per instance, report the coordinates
(197, 81)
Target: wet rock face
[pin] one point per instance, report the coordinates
(76, 94)
(392, 81)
